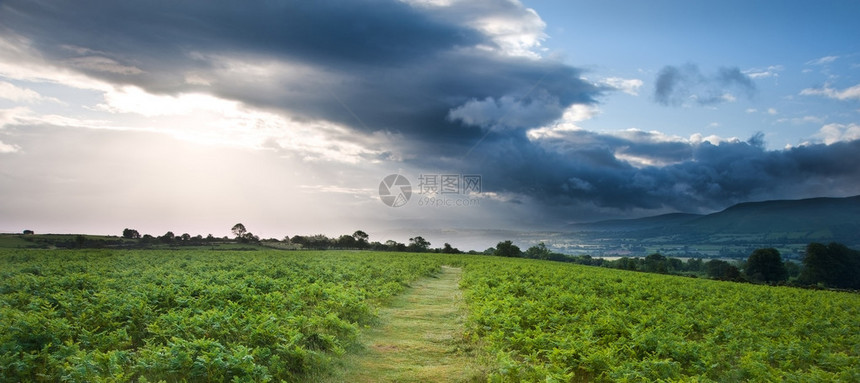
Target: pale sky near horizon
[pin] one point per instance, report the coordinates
(286, 115)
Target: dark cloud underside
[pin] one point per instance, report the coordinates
(373, 65)
(384, 66)
(703, 178)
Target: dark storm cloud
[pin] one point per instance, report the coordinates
(323, 32)
(679, 85)
(383, 66)
(584, 167)
(374, 65)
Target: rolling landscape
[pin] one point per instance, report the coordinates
(181, 308)
(785, 224)
(298, 315)
(372, 191)
(734, 232)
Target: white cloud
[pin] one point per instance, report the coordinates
(771, 71)
(21, 62)
(194, 117)
(17, 94)
(7, 148)
(698, 138)
(131, 99)
(772, 111)
(826, 91)
(629, 86)
(20, 116)
(638, 161)
(337, 189)
(508, 112)
(636, 147)
(13, 116)
(580, 112)
(803, 120)
(652, 136)
(822, 60)
(832, 133)
(514, 29)
(567, 123)
(206, 119)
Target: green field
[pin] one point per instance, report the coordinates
(575, 323)
(257, 316)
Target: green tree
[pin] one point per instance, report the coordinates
(695, 264)
(393, 245)
(360, 235)
(539, 251)
(507, 249)
(238, 230)
(147, 239)
(418, 244)
(346, 242)
(765, 265)
(625, 263)
(249, 237)
(167, 237)
(722, 270)
(319, 241)
(361, 239)
(792, 268)
(656, 263)
(833, 265)
(448, 249)
(299, 240)
(674, 264)
(130, 234)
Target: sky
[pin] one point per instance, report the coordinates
(290, 116)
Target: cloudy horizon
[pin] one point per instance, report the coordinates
(286, 116)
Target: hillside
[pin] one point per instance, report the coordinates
(825, 218)
(839, 215)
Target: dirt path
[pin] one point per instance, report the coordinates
(419, 338)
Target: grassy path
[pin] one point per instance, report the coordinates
(419, 338)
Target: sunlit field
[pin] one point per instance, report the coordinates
(200, 315)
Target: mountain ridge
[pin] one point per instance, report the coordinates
(839, 216)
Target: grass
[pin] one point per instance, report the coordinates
(12, 241)
(419, 338)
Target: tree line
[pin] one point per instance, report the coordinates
(832, 265)
(358, 240)
(828, 266)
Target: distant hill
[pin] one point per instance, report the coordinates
(835, 219)
(784, 216)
